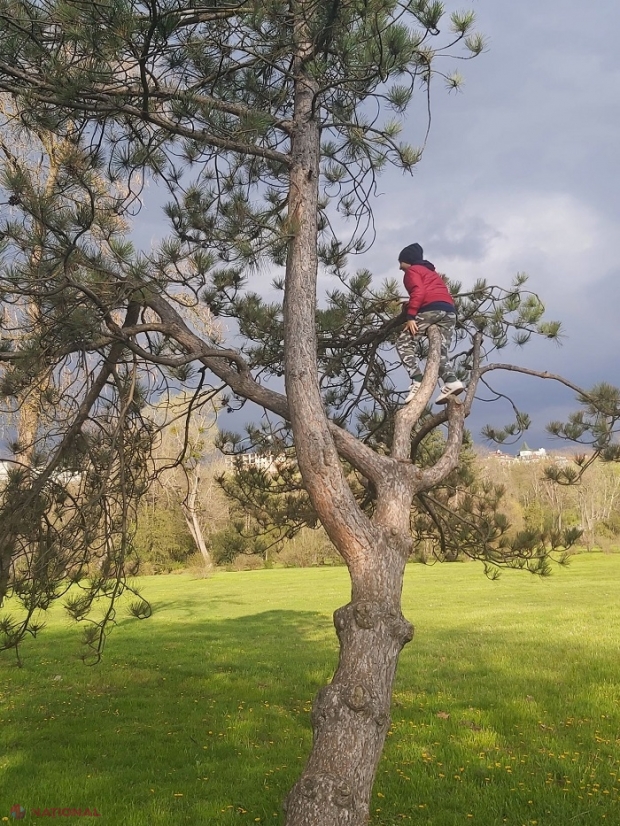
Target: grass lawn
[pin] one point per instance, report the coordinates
(506, 710)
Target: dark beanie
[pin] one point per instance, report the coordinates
(413, 254)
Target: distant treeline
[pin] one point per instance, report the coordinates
(164, 540)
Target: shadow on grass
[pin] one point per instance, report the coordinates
(197, 722)
(189, 605)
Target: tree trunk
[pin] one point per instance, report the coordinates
(351, 715)
(193, 524)
(30, 406)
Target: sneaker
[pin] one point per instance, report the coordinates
(413, 389)
(451, 388)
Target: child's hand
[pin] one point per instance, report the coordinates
(412, 326)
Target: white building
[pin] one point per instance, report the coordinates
(526, 454)
(262, 461)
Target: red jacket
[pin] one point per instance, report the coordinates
(425, 287)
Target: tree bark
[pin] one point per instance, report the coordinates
(351, 715)
(193, 524)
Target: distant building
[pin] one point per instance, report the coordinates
(526, 454)
(499, 456)
(63, 477)
(262, 461)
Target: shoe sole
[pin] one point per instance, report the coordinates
(452, 395)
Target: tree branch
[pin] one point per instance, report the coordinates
(540, 374)
(84, 100)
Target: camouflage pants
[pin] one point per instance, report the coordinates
(411, 349)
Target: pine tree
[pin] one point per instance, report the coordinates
(268, 122)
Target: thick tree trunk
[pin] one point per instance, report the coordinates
(351, 715)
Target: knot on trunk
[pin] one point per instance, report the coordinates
(363, 613)
(334, 699)
(342, 794)
(323, 786)
(368, 615)
(356, 697)
(403, 630)
(361, 700)
(309, 786)
(382, 719)
(327, 706)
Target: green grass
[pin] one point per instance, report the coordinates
(506, 708)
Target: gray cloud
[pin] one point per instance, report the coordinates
(521, 174)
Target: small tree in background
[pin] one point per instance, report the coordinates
(268, 123)
(185, 463)
(162, 540)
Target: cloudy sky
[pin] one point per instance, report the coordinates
(521, 174)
